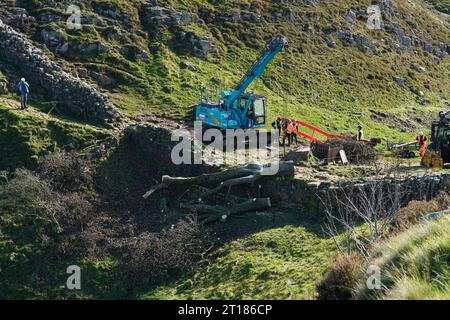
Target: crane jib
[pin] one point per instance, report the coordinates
(238, 109)
(257, 69)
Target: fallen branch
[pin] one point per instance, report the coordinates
(228, 178)
(231, 183)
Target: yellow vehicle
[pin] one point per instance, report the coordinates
(438, 152)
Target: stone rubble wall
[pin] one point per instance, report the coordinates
(297, 193)
(36, 66)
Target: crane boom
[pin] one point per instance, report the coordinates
(257, 69)
(238, 109)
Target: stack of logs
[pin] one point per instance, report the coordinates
(201, 196)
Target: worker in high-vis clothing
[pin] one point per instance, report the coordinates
(360, 134)
(292, 132)
(289, 132)
(23, 89)
(422, 141)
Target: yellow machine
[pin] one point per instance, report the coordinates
(432, 159)
(438, 152)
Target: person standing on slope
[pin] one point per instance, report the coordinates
(360, 134)
(23, 89)
(422, 141)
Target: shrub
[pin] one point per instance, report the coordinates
(66, 172)
(155, 256)
(50, 218)
(72, 212)
(341, 280)
(408, 216)
(21, 200)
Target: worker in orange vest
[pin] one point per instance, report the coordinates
(289, 132)
(422, 141)
(293, 129)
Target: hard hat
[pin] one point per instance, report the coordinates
(23, 79)
(421, 133)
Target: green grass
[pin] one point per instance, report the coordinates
(30, 266)
(278, 263)
(332, 88)
(414, 265)
(25, 137)
(442, 5)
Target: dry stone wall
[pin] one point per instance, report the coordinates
(35, 64)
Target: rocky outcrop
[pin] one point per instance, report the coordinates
(156, 16)
(403, 39)
(78, 97)
(16, 17)
(356, 40)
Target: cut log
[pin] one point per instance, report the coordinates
(231, 177)
(285, 168)
(231, 183)
(208, 214)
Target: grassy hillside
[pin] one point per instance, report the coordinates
(414, 265)
(26, 135)
(153, 66)
(442, 5)
(149, 64)
(282, 262)
(32, 264)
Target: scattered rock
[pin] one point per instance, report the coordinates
(82, 72)
(103, 80)
(400, 81)
(143, 55)
(351, 16)
(187, 66)
(418, 68)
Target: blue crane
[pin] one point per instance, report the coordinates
(239, 109)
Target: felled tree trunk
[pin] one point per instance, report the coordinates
(228, 178)
(246, 175)
(208, 214)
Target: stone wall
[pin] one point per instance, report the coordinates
(156, 145)
(304, 195)
(78, 97)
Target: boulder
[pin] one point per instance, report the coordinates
(351, 16)
(53, 38)
(157, 16)
(187, 66)
(400, 81)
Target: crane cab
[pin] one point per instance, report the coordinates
(252, 111)
(247, 112)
